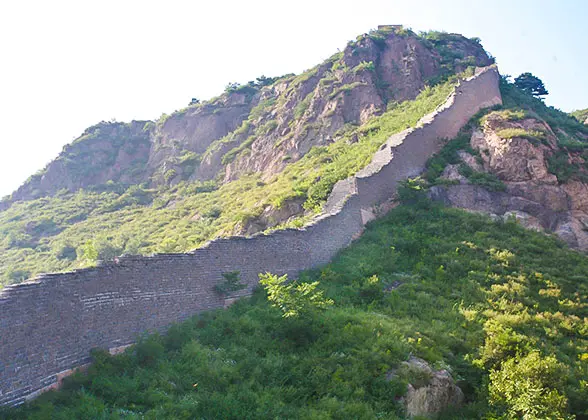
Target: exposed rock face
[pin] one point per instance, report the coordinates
(259, 128)
(271, 217)
(194, 130)
(515, 159)
(347, 90)
(533, 195)
(105, 152)
(438, 394)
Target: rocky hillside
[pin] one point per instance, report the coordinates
(263, 125)
(263, 155)
(115, 152)
(524, 160)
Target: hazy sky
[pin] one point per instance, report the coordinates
(66, 65)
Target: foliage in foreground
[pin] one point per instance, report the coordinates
(505, 309)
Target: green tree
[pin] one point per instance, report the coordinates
(531, 84)
(88, 251)
(527, 387)
(293, 299)
(231, 284)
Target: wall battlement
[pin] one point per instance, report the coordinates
(49, 325)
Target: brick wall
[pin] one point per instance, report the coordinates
(49, 325)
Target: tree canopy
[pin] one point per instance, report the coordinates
(531, 84)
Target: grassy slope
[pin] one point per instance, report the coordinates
(44, 234)
(471, 294)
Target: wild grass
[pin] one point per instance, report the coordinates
(533, 136)
(503, 308)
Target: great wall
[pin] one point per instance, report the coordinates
(49, 325)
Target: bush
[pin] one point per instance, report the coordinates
(364, 66)
(149, 350)
(413, 191)
(231, 284)
(559, 164)
(294, 299)
(484, 179)
(66, 252)
(528, 387)
(17, 276)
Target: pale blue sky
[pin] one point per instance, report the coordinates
(66, 65)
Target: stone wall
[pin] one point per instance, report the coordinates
(49, 325)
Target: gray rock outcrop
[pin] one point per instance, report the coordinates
(432, 391)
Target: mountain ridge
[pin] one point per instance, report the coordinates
(355, 84)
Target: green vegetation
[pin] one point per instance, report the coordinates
(571, 134)
(179, 218)
(568, 130)
(510, 114)
(236, 151)
(518, 105)
(303, 105)
(345, 88)
(261, 108)
(531, 85)
(581, 115)
(483, 179)
(364, 66)
(565, 169)
(294, 299)
(534, 136)
(230, 285)
(503, 308)
(448, 155)
(452, 59)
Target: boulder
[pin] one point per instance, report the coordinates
(431, 391)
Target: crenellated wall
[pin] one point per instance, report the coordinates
(49, 325)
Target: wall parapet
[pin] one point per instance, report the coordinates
(49, 325)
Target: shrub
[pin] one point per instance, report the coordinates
(484, 179)
(559, 165)
(294, 299)
(413, 191)
(527, 387)
(17, 276)
(66, 252)
(303, 105)
(232, 154)
(364, 66)
(231, 284)
(267, 128)
(149, 350)
(346, 88)
(213, 213)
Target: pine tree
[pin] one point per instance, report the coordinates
(531, 84)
